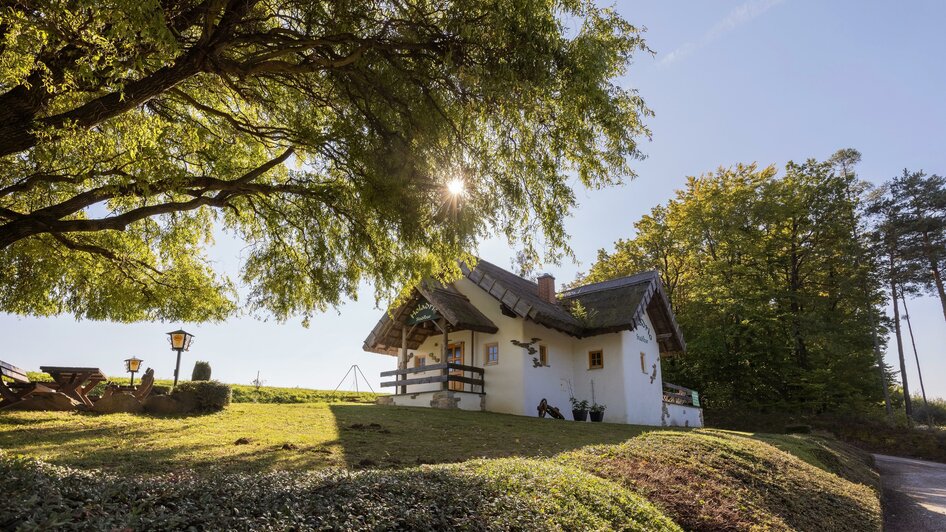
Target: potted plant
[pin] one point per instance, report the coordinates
(579, 409)
(597, 412)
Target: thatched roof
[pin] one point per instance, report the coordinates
(619, 304)
(610, 306)
(453, 306)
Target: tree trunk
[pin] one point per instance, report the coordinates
(908, 407)
(934, 271)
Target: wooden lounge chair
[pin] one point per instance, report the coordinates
(19, 386)
(140, 392)
(147, 383)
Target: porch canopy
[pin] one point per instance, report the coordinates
(418, 317)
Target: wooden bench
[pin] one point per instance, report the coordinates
(18, 386)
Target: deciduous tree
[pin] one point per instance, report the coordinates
(321, 134)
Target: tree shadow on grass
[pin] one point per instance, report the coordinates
(139, 444)
(395, 436)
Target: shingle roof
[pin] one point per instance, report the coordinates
(611, 306)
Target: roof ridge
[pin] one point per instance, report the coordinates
(610, 283)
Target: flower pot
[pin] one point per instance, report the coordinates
(580, 415)
(597, 417)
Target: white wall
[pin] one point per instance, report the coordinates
(608, 380)
(682, 415)
(546, 382)
(643, 389)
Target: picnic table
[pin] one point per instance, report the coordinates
(75, 382)
(18, 387)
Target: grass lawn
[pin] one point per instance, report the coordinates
(315, 436)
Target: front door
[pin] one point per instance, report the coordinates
(455, 356)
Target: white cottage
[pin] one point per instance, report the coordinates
(497, 342)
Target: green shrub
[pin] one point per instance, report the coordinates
(211, 395)
(934, 411)
(160, 390)
(508, 494)
(201, 371)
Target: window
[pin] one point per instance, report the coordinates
(543, 355)
(595, 359)
(492, 353)
(420, 362)
(643, 363)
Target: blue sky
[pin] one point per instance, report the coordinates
(763, 80)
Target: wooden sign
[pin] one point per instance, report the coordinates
(424, 311)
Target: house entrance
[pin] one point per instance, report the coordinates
(455, 356)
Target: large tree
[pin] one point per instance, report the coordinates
(772, 283)
(320, 133)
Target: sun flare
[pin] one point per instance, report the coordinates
(455, 187)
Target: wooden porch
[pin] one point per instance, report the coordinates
(403, 379)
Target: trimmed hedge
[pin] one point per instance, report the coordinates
(506, 494)
(211, 396)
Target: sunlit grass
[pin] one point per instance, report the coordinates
(315, 436)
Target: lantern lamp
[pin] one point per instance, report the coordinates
(132, 365)
(180, 341)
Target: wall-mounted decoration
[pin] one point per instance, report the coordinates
(532, 351)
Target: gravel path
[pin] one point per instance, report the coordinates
(914, 494)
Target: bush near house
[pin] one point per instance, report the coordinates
(210, 396)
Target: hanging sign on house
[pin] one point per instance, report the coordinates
(424, 311)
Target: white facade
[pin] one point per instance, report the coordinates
(629, 383)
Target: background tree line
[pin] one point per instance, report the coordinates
(779, 281)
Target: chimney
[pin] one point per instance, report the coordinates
(547, 288)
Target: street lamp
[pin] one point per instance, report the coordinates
(180, 341)
(132, 365)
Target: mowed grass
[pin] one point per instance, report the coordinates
(292, 436)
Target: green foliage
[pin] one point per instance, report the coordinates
(486, 495)
(932, 411)
(712, 480)
(201, 371)
(578, 404)
(321, 135)
(211, 395)
(772, 283)
(598, 408)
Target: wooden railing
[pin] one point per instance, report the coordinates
(679, 395)
(476, 380)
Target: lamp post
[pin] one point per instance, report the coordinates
(180, 341)
(132, 365)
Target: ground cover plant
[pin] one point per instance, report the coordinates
(715, 480)
(518, 493)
